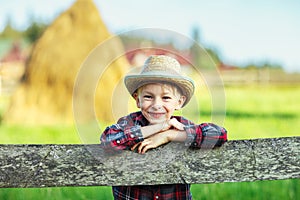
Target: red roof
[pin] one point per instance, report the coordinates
(14, 54)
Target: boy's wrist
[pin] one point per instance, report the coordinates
(170, 135)
(176, 135)
(164, 126)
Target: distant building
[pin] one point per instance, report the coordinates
(223, 66)
(12, 68)
(138, 56)
(15, 54)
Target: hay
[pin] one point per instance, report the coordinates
(45, 94)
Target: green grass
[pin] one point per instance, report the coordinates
(261, 190)
(260, 111)
(264, 111)
(60, 193)
(29, 134)
(256, 111)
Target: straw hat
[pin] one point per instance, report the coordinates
(162, 69)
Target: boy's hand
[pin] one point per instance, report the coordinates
(172, 123)
(152, 142)
(160, 138)
(176, 124)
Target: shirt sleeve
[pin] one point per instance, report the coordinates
(205, 135)
(122, 135)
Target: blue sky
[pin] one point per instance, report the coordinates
(243, 32)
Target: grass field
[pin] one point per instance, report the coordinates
(256, 111)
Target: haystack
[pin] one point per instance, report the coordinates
(46, 92)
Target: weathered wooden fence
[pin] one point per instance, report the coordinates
(89, 165)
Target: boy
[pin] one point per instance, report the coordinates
(159, 90)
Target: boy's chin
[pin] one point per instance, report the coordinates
(157, 121)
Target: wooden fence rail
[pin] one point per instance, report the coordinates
(89, 165)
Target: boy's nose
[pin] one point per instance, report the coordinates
(157, 107)
(157, 104)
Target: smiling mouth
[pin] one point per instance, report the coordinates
(157, 115)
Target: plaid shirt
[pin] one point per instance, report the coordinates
(153, 192)
(127, 132)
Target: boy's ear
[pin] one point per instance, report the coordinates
(137, 100)
(180, 102)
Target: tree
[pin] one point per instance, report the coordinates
(9, 31)
(34, 31)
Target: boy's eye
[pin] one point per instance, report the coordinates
(147, 97)
(166, 97)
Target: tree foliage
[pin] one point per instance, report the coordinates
(10, 32)
(31, 33)
(34, 31)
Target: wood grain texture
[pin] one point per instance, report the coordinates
(89, 165)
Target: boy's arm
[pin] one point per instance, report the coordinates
(119, 138)
(153, 129)
(125, 134)
(205, 135)
(159, 139)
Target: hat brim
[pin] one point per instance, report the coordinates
(185, 84)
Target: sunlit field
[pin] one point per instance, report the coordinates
(262, 111)
(254, 111)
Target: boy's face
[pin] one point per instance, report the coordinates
(158, 101)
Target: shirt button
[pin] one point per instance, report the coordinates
(131, 135)
(156, 197)
(118, 141)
